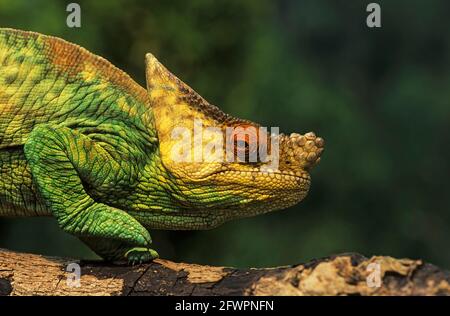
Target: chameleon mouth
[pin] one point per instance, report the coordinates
(277, 174)
(275, 178)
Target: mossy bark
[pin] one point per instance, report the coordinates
(344, 274)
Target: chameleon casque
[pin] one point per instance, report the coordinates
(84, 143)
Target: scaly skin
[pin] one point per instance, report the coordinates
(81, 141)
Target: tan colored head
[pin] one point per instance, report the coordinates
(224, 163)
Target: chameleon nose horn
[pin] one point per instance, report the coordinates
(306, 149)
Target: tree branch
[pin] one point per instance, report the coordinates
(345, 274)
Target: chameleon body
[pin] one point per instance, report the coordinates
(84, 143)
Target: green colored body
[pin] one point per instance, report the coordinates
(78, 141)
(46, 110)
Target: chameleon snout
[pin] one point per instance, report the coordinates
(302, 151)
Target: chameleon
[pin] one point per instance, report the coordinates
(84, 143)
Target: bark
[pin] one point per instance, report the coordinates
(344, 274)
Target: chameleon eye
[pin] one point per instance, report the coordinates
(241, 149)
(242, 145)
(245, 146)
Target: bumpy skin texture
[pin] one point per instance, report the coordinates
(81, 141)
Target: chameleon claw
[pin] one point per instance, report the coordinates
(140, 255)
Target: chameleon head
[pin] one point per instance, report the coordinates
(221, 163)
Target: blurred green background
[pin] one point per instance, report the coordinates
(379, 97)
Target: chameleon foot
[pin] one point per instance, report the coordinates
(140, 255)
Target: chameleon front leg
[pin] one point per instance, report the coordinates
(61, 161)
